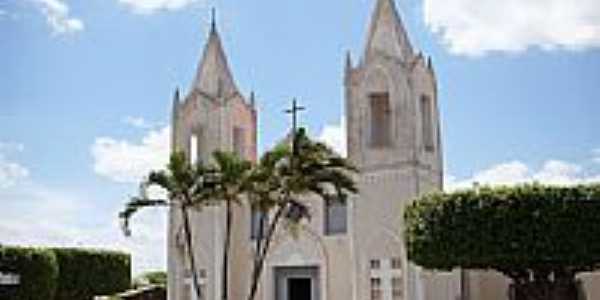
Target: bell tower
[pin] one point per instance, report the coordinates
(394, 138)
(391, 100)
(214, 115)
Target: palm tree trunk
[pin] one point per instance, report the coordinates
(226, 251)
(190, 251)
(262, 253)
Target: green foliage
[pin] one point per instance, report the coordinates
(285, 175)
(37, 269)
(151, 278)
(283, 179)
(86, 273)
(509, 229)
(188, 187)
(185, 184)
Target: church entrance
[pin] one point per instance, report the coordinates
(299, 288)
(297, 283)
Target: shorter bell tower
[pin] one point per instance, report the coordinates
(213, 116)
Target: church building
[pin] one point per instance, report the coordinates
(347, 251)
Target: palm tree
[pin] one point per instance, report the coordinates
(284, 176)
(231, 183)
(188, 187)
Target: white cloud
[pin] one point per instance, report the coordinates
(57, 16)
(36, 215)
(553, 172)
(475, 27)
(125, 161)
(151, 6)
(596, 155)
(334, 135)
(11, 147)
(11, 172)
(138, 122)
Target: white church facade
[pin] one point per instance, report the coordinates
(348, 251)
(352, 250)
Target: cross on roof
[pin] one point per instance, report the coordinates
(294, 112)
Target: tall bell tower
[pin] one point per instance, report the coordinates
(394, 137)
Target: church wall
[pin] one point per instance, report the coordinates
(492, 285)
(308, 246)
(242, 253)
(378, 219)
(442, 285)
(591, 283)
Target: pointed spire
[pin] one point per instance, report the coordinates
(175, 120)
(348, 61)
(213, 75)
(386, 32)
(252, 99)
(348, 67)
(213, 20)
(176, 101)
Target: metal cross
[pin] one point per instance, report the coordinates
(294, 112)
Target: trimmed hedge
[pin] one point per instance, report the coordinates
(86, 273)
(37, 269)
(151, 278)
(510, 228)
(64, 273)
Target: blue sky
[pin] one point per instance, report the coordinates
(86, 87)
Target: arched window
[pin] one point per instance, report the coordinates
(427, 122)
(381, 118)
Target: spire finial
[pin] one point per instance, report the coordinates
(176, 103)
(176, 96)
(213, 20)
(348, 60)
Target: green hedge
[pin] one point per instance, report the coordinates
(508, 228)
(65, 273)
(86, 273)
(37, 269)
(150, 278)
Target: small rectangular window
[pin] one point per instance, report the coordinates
(336, 217)
(376, 293)
(397, 263)
(381, 127)
(397, 288)
(375, 264)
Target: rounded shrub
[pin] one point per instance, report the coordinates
(506, 228)
(539, 236)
